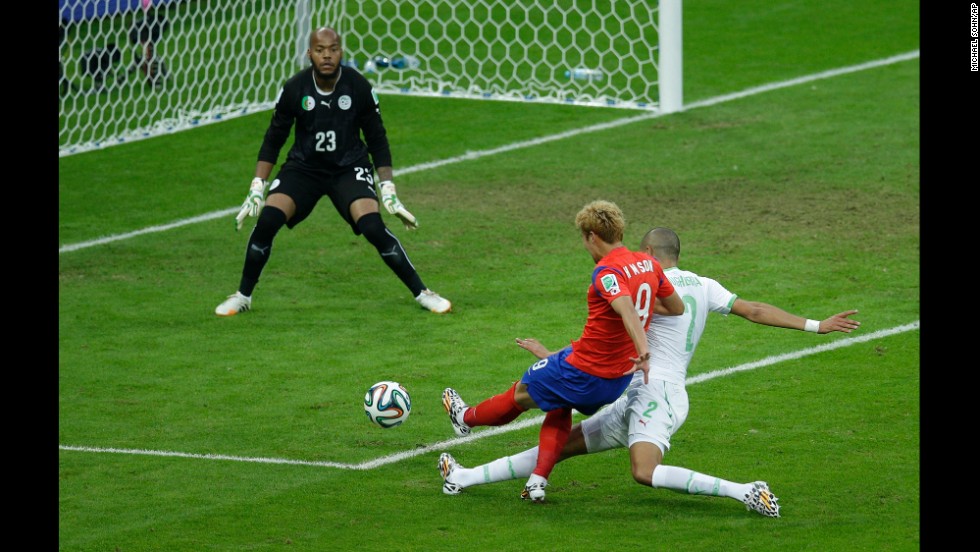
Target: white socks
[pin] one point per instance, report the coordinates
(683, 480)
(502, 469)
(677, 479)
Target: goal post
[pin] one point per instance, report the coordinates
(670, 70)
(132, 69)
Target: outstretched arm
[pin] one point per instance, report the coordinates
(534, 347)
(769, 315)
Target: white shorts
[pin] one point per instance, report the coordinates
(649, 413)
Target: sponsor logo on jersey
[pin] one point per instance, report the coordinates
(610, 284)
(344, 102)
(307, 103)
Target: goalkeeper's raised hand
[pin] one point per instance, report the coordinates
(253, 203)
(389, 198)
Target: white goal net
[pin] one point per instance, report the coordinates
(132, 69)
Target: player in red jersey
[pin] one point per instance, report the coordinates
(594, 369)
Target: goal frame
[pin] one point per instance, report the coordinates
(199, 76)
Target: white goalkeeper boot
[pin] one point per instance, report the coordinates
(234, 304)
(432, 301)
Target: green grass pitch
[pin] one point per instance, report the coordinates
(182, 431)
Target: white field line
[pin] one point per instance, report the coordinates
(520, 145)
(481, 434)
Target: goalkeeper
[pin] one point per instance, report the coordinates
(330, 107)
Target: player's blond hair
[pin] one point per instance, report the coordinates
(603, 218)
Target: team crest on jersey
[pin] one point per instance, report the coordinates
(344, 102)
(307, 103)
(610, 284)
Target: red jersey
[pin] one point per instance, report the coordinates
(605, 348)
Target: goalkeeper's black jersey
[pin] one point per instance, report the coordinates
(328, 126)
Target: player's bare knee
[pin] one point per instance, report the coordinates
(642, 475)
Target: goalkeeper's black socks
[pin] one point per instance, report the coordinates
(259, 247)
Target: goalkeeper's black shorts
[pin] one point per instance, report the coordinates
(306, 188)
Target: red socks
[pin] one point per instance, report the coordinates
(495, 411)
(501, 409)
(552, 438)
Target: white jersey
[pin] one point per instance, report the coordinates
(653, 412)
(673, 339)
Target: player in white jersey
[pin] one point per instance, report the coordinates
(646, 416)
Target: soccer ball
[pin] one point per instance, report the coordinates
(387, 404)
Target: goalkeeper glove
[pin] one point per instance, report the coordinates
(253, 203)
(390, 200)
